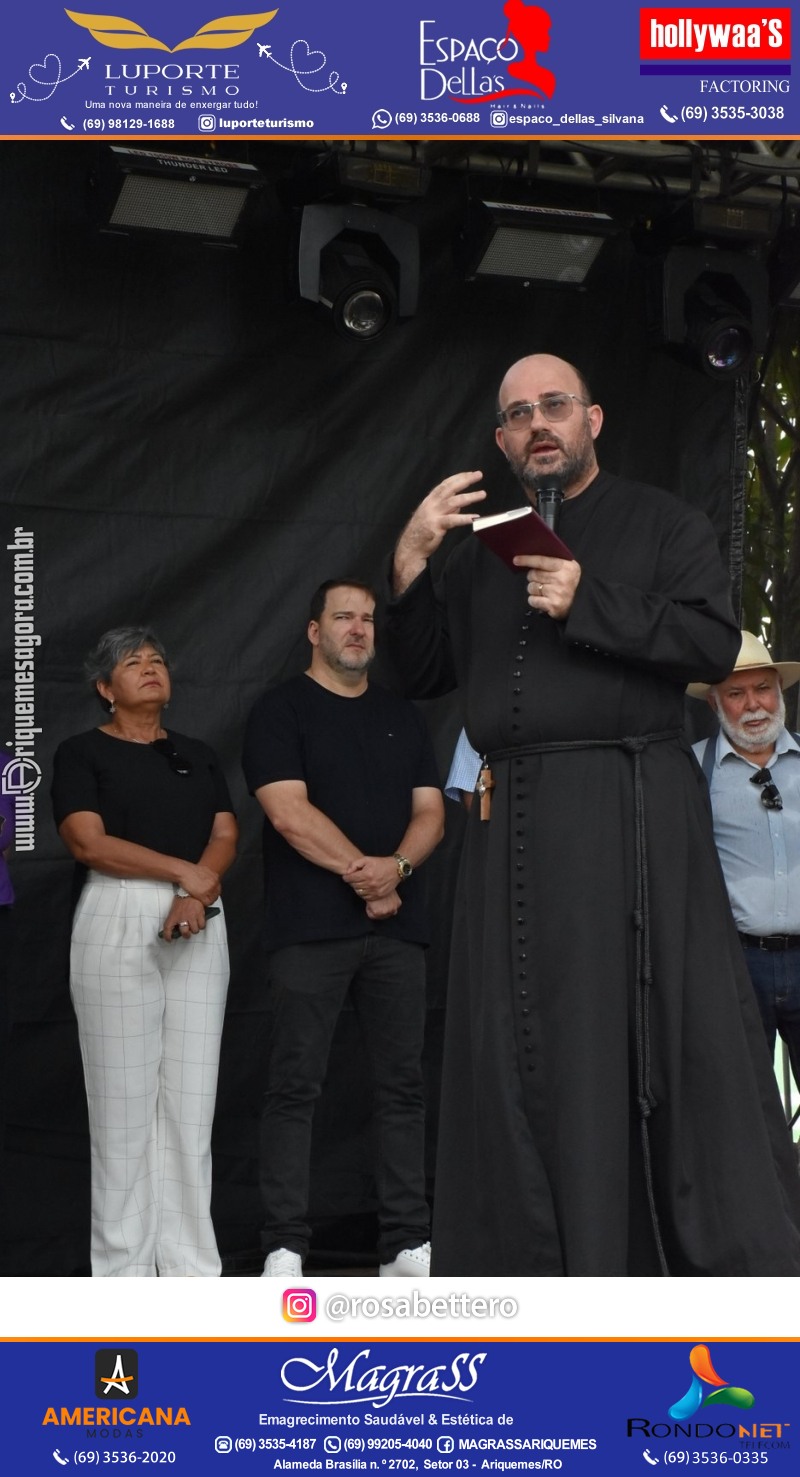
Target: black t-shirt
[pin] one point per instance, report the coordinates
(136, 792)
(360, 759)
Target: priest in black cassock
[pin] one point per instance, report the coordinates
(608, 1106)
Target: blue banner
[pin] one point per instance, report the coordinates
(464, 68)
(449, 69)
(391, 1407)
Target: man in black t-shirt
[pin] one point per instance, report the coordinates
(345, 774)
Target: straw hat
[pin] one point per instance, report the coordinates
(752, 655)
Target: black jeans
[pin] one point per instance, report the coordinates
(308, 986)
(776, 981)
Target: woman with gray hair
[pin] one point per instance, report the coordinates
(147, 815)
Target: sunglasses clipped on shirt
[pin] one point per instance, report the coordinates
(770, 794)
(176, 761)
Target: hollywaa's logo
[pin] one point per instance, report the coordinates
(704, 1374)
(527, 36)
(740, 34)
(217, 35)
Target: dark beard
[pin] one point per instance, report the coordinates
(571, 470)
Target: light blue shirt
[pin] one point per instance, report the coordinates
(464, 769)
(759, 849)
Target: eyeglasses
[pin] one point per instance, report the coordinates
(557, 407)
(177, 763)
(770, 794)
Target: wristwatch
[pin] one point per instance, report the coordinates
(404, 867)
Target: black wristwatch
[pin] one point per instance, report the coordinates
(404, 867)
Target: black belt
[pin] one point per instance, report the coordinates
(772, 943)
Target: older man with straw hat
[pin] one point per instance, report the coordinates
(753, 773)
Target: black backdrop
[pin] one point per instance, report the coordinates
(193, 447)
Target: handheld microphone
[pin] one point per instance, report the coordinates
(549, 497)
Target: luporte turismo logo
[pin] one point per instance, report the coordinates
(127, 35)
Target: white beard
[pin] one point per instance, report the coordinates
(741, 735)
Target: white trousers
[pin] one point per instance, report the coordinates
(150, 1023)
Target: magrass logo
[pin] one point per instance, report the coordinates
(354, 1380)
(128, 35)
(116, 1374)
(703, 1375)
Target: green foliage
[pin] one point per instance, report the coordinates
(771, 587)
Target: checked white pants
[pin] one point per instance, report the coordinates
(150, 1022)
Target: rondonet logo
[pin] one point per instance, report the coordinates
(706, 1393)
(707, 1388)
(726, 34)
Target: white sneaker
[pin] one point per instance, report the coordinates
(414, 1263)
(283, 1263)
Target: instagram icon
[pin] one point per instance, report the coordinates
(299, 1305)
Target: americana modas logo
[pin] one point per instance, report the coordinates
(116, 1374)
(127, 35)
(707, 1388)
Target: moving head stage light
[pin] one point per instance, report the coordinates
(361, 264)
(712, 307)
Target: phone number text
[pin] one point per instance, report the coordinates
(437, 117)
(718, 1458)
(698, 112)
(93, 124)
(102, 1458)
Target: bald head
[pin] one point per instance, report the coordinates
(568, 377)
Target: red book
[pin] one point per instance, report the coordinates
(520, 531)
